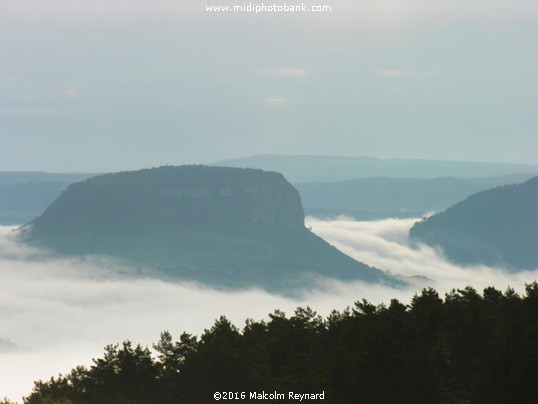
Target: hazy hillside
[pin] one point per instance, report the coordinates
(366, 198)
(494, 227)
(223, 226)
(298, 169)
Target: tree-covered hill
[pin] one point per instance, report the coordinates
(222, 226)
(494, 227)
(465, 348)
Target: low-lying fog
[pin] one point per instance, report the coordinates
(61, 313)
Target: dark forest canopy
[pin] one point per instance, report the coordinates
(467, 348)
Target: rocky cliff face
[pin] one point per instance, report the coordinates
(174, 199)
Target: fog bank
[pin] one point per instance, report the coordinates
(62, 312)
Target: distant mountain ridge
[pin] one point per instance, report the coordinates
(217, 225)
(25, 195)
(305, 168)
(361, 187)
(18, 177)
(367, 198)
(496, 227)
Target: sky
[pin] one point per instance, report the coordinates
(106, 86)
(62, 312)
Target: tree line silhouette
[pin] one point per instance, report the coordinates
(465, 348)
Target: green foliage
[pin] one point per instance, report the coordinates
(465, 348)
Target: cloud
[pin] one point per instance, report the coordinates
(274, 101)
(285, 72)
(62, 312)
(278, 101)
(392, 73)
(384, 244)
(417, 74)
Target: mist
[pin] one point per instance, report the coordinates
(385, 244)
(62, 312)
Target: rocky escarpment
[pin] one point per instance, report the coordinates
(495, 227)
(223, 226)
(174, 199)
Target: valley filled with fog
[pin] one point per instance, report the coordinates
(58, 313)
(186, 146)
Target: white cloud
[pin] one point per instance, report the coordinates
(61, 312)
(384, 244)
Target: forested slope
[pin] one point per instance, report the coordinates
(465, 348)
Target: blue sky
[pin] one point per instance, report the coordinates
(105, 86)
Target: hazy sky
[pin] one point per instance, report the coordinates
(103, 86)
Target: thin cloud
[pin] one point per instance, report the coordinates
(275, 101)
(69, 93)
(278, 101)
(392, 73)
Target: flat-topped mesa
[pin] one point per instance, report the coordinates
(174, 199)
(220, 226)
